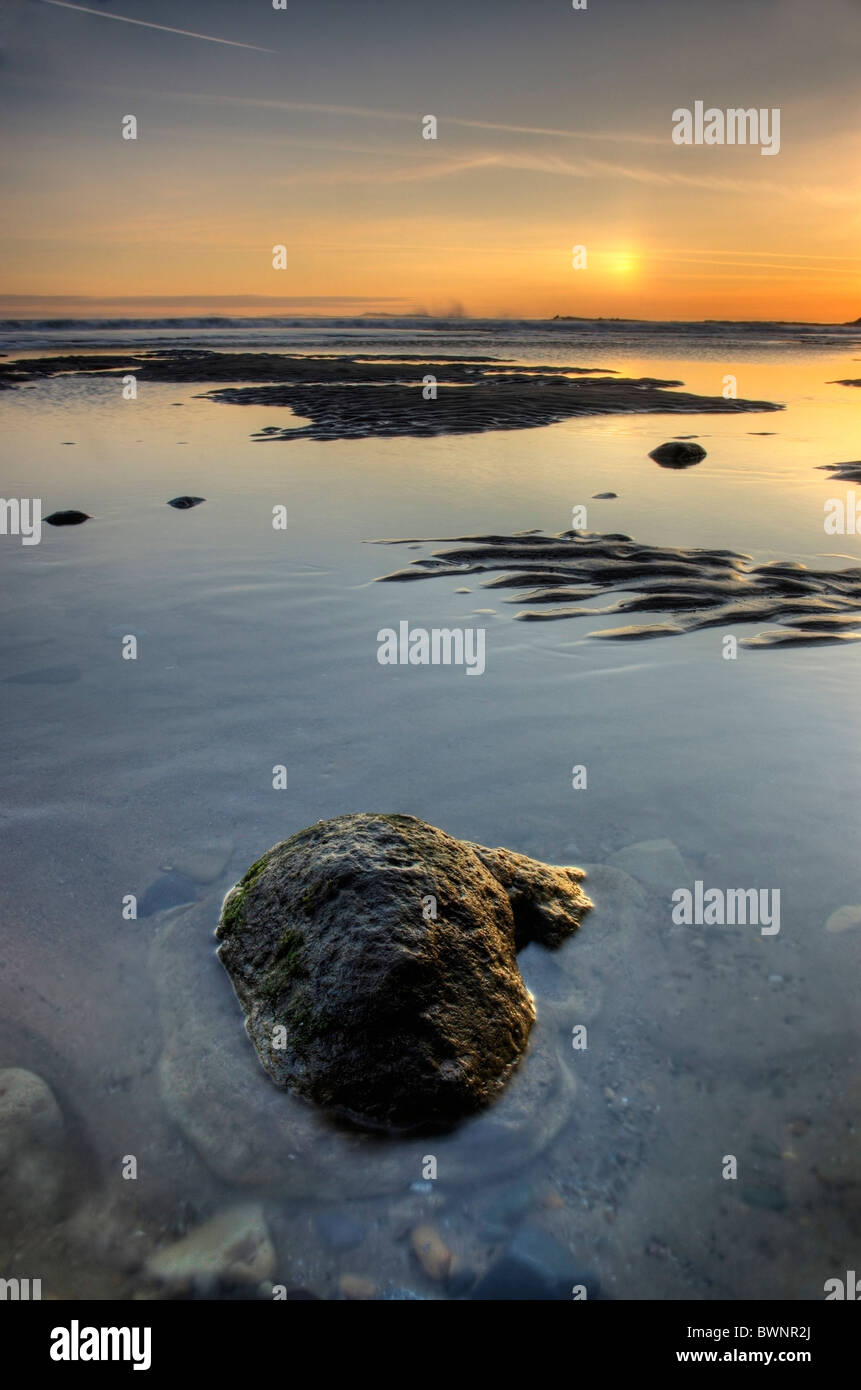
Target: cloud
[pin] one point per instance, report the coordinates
(558, 166)
(374, 113)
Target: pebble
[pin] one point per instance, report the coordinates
(340, 1231)
(32, 1143)
(844, 919)
(535, 1266)
(431, 1251)
(356, 1288)
(234, 1245)
(656, 863)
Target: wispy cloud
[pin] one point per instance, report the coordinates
(165, 29)
(557, 166)
(374, 113)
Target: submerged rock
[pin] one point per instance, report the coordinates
(32, 1143)
(656, 863)
(844, 919)
(535, 1266)
(375, 959)
(232, 1246)
(253, 1135)
(677, 454)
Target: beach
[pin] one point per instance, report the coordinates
(257, 649)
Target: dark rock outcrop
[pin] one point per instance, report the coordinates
(375, 959)
(848, 472)
(70, 518)
(182, 504)
(677, 453)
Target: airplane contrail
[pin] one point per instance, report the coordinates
(165, 29)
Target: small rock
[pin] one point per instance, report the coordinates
(70, 518)
(233, 1246)
(432, 1252)
(339, 1231)
(553, 1200)
(183, 503)
(32, 1140)
(354, 1287)
(535, 1266)
(844, 919)
(656, 863)
(603, 496)
(677, 454)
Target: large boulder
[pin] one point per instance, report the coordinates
(375, 960)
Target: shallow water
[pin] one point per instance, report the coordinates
(258, 648)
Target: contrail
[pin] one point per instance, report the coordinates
(165, 29)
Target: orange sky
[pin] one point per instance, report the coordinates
(229, 162)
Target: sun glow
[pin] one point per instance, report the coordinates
(623, 263)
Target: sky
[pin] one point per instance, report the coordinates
(302, 128)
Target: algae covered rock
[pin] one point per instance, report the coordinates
(375, 960)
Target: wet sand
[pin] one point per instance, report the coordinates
(365, 397)
(701, 588)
